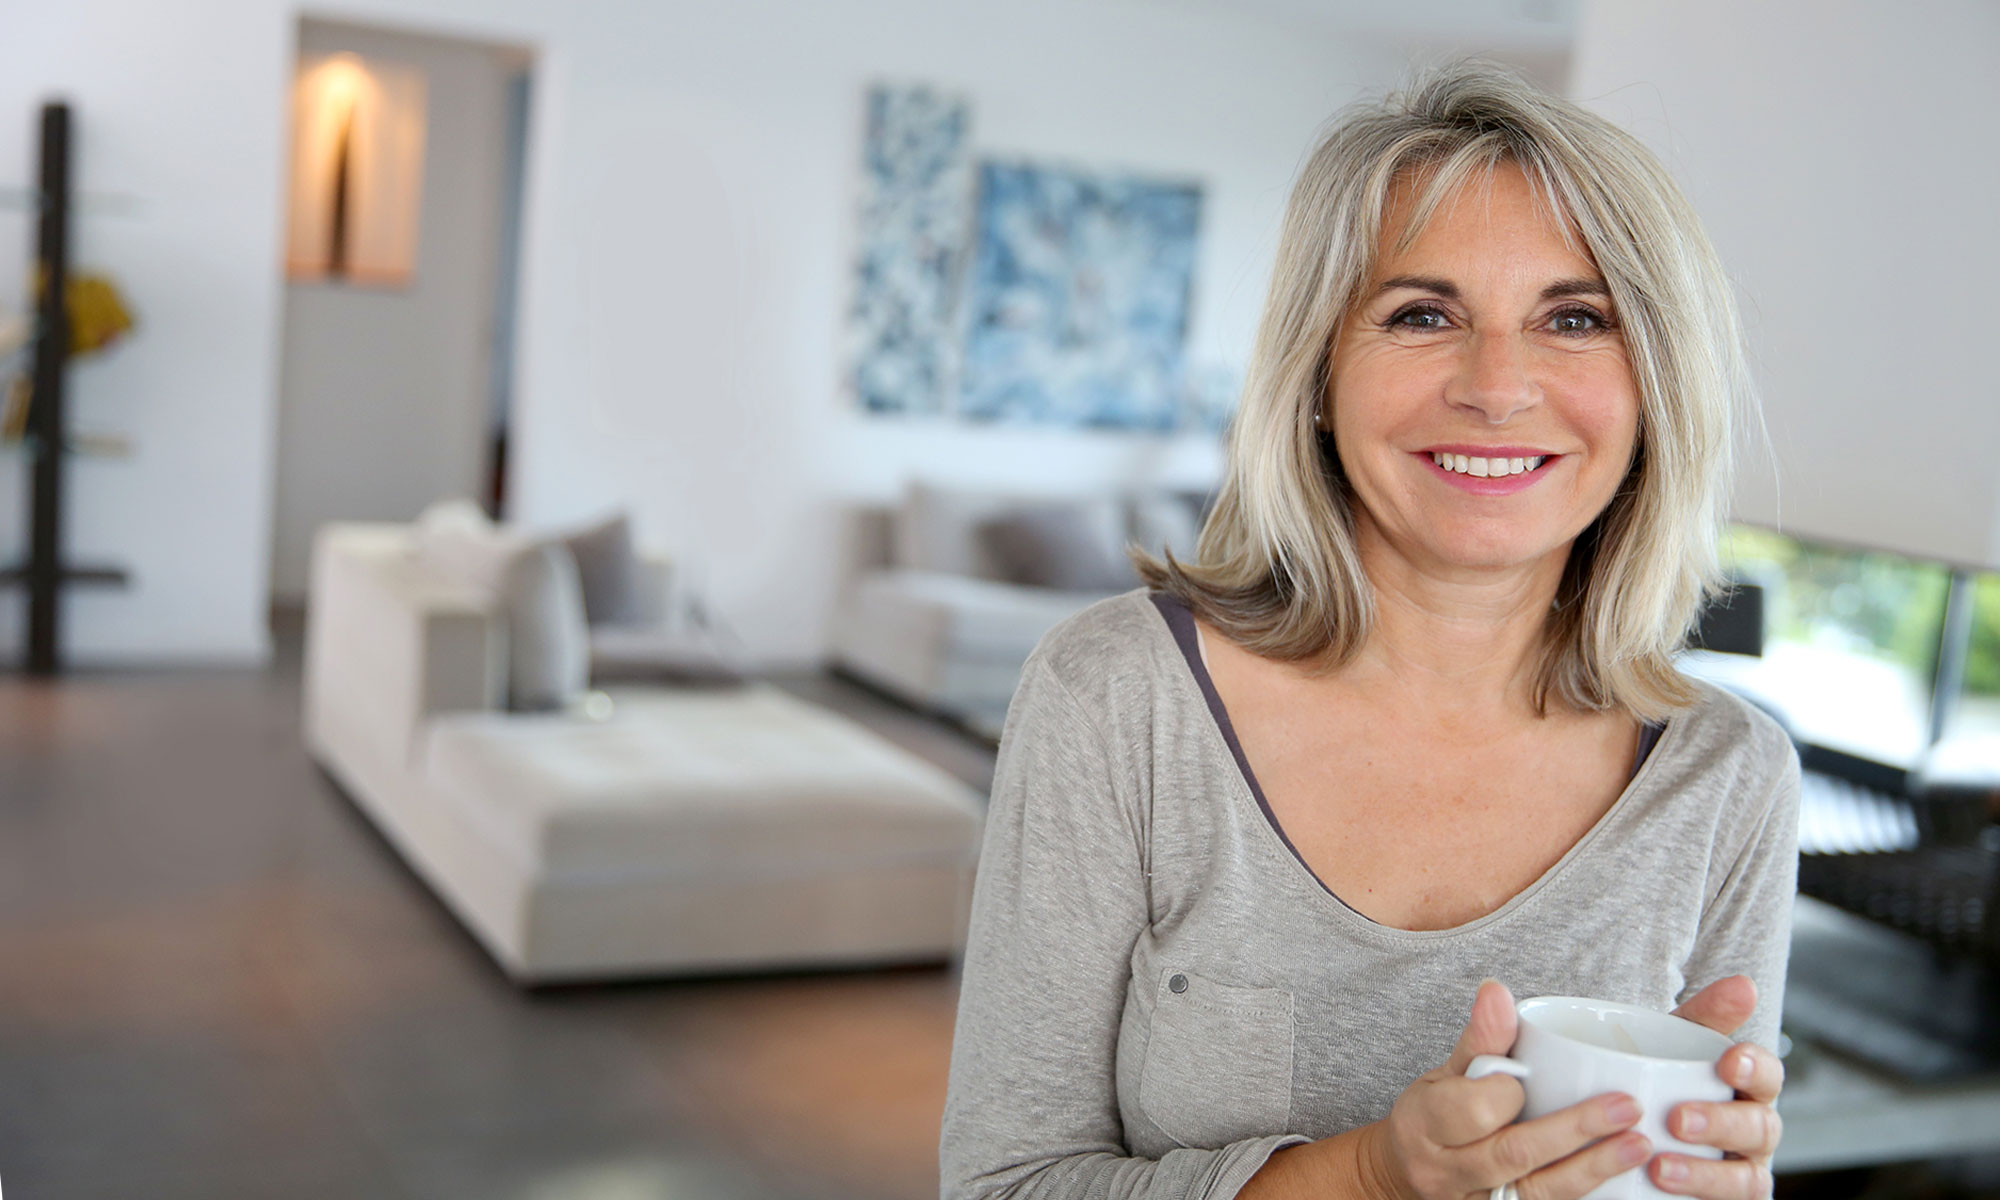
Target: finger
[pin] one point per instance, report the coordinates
(1458, 1111)
(1520, 1150)
(1723, 1005)
(1729, 1179)
(1743, 1127)
(1584, 1170)
(1490, 1029)
(1755, 1073)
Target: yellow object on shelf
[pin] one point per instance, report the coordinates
(14, 414)
(97, 313)
(97, 318)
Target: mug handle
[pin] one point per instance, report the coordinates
(1495, 1064)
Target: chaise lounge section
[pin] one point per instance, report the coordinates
(672, 831)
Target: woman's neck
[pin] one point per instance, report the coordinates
(1453, 641)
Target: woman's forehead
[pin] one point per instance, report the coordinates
(1468, 200)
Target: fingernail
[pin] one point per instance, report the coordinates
(1622, 1111)
(1633, 1150)
(1693, 1121)
(1744, 1067)
(1673, 1170)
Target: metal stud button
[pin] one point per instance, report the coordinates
(1177, 983)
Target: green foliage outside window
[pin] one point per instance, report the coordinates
(1982, 664)
(1882, 605)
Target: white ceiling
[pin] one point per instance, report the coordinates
(1546, 26)
(1535, 37)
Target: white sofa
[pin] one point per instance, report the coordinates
(650, 830)
(931, 615)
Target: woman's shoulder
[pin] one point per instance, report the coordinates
(1112, 648)
(1735, 742)
(1102, 633)
(1725, 718)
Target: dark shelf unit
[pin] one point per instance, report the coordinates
(44, 573)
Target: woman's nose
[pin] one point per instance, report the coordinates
(1494, 379)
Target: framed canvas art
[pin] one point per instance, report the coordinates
(1077, 303)
(916, 217)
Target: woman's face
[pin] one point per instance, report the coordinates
(1488, 345)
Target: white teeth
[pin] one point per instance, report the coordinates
(1486, 468)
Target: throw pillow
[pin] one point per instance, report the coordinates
(455, 513)
(938, 529)
(534, 582)
(1074, 547)
(604, 558)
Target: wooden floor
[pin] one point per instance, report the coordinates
(216, 980)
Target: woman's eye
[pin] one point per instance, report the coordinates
(1575, 321)
(1422, 316)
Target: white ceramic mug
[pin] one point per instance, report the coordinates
(1569, 1049)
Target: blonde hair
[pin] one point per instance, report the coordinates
(1276, 565)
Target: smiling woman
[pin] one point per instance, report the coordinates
(1261, 832)
(1614, 277)
(1485, 339)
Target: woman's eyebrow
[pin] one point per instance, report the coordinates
(1420, 283)
(1581, 286)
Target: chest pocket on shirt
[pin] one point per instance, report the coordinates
(1218, 1063)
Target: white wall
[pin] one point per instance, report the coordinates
(168, 110)
(690, 200)
(383, 400)
(720, 149)
(1841, 154)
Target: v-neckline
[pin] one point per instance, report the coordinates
(1180, 624)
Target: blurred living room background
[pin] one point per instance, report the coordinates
(519, 523)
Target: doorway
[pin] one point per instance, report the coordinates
(404, 220)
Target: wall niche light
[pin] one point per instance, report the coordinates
(357, 171)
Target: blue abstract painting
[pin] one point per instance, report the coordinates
(1076, 310)
(916, 221)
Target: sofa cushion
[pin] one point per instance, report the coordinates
(604, 566)
(937, 529)
(1075, 546)
(636, 654)
(535, 581)
(1170, 520)
(746, 783)
(979, 618)
(946, 641)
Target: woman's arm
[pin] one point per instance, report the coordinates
(1737, 976)
(1060, 900)
(1746, 928)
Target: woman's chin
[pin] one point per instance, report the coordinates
(1485, 557)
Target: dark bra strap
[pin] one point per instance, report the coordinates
(1181, 621)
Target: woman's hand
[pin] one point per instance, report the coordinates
(1450, 1138)
(1747, 1127)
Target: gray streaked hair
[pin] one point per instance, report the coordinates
(1276, 566)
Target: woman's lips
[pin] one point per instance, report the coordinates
(1491, 485)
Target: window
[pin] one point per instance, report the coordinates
(1851, 643)
(1974, 723)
